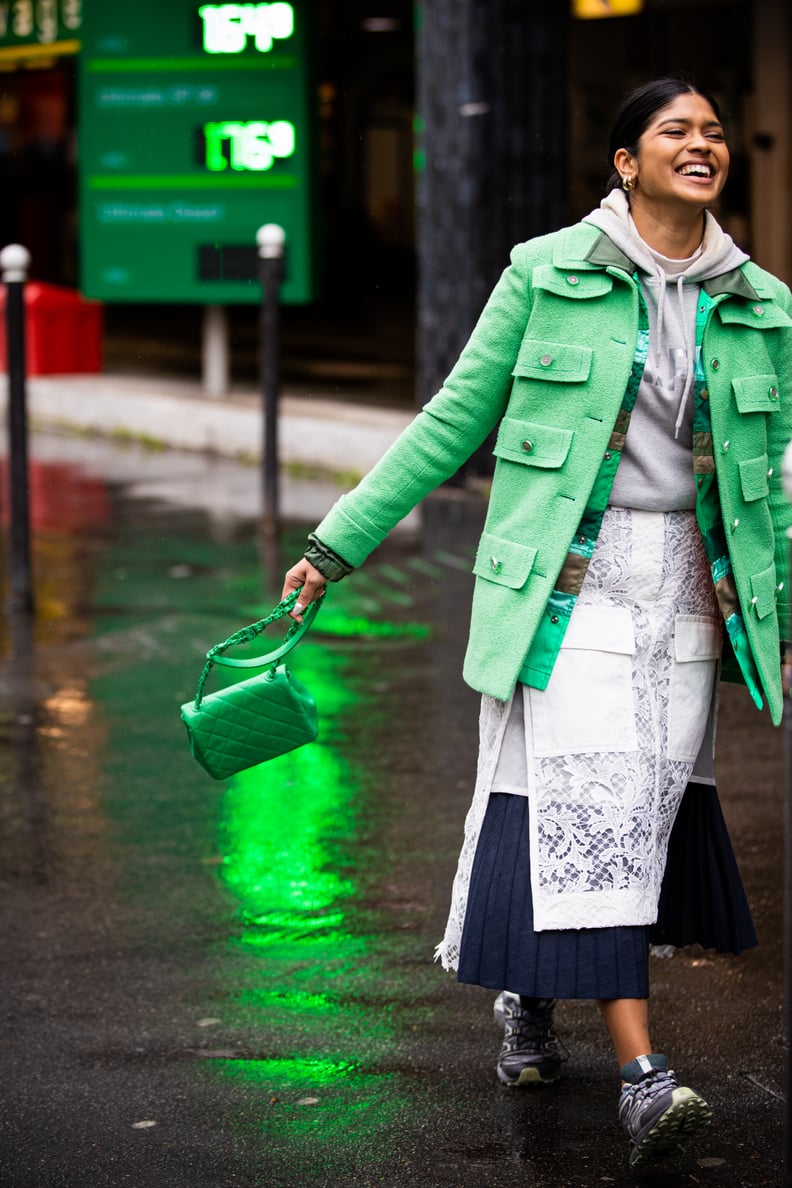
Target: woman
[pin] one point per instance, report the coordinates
(636, 366)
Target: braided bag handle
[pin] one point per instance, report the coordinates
(246, 634)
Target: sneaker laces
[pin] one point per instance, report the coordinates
(528, 1029)
(636, 1095)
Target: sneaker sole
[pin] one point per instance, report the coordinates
(687, 1114)
(528, 1078)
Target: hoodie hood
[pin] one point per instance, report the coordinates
(717, 254)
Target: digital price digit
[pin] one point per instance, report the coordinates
(227, 27)
(253, 145)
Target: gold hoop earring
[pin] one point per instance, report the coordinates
(629, 182)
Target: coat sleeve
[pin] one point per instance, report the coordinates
(779, 434)
(448, 429)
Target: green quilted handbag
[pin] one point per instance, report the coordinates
(256, 719)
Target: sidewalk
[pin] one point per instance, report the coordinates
(331, 437)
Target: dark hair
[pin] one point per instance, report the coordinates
(638, 109)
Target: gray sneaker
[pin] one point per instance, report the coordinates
(658, 1115)
(530, 1054)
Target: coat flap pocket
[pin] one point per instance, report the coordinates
(696, 638)
(566, 283)
(756, 393)
(763, 592)
(600, 629)
(555, 361)
(754, 478)
(503, 561)
(760, 315)
(531, 443)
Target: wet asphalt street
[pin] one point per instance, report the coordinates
(207, 985)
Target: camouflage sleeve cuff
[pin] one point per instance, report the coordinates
(329, 564)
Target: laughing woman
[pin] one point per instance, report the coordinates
(637, 368)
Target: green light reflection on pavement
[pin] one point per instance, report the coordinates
(285, 822)
(318, 1104)
(293, 858)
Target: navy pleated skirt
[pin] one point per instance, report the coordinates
(702, 901)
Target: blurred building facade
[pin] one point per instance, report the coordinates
(443, 137)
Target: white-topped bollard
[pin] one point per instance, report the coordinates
(14, 267)
(14, 264)
(271, 240)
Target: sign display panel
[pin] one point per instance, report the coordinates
(194, 131)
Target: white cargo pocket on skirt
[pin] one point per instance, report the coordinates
(588, 703)
(696, 650)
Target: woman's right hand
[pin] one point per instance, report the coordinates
(304, 577)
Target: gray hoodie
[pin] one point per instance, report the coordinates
(656, 470)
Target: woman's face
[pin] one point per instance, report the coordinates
(682, 158)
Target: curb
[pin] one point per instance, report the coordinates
(329, 436)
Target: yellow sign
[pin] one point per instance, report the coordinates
(591, 10)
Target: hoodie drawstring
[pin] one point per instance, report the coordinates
(689, 358)
(659, 339)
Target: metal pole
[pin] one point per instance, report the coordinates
(215, 368)
(14, 265)
(270, 239)
(787, 1173)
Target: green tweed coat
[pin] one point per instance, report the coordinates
(548, 363)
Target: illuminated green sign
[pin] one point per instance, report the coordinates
(194, 131)
(227, 27)
(254, 146)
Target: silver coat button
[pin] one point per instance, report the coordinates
(546, 360)
(527, 446)
(573, 280)
(497, 565)
(758, 310)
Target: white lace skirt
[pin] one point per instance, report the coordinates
(605, 752)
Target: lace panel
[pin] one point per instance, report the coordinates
(601, 821)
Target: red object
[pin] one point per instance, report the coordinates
(63, 331)
(63, 499)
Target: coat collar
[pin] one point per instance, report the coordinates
(586, 246)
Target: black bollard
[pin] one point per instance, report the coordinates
(270, 239)
(14, 264)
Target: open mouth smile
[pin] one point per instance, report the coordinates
(697, 169)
